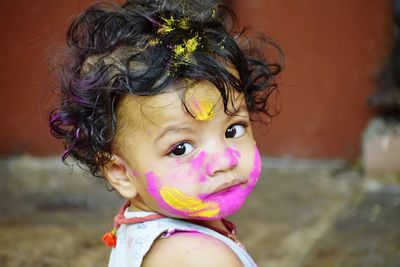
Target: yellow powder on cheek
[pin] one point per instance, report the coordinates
(194, 206)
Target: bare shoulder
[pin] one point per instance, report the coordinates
(190, 250)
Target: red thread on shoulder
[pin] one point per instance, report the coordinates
(110, 238)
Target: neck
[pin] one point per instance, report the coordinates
(138, 205)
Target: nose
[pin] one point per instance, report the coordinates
(222, 162)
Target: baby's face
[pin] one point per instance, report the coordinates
(200, 167)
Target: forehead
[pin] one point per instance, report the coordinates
(193, 103)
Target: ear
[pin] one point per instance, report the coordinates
(117, 173)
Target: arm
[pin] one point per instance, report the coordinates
(190, 250)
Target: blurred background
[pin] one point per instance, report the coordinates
(331, 193)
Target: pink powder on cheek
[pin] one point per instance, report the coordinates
(202, 178)
(153, 186)
(200, 169)
(233, 155)
(198, 161)
(135, 173)
(231, 200)
(197, 165)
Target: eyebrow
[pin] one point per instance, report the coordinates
(172, 128)
(182, 128)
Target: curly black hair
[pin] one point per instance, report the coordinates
(118, 50)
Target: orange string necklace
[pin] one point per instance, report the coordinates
(110, 238)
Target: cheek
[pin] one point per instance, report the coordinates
(256, 170)
(230, 202)
(197, 167)
(233, 155)
(188, 205)
(195, 171)
(178, 174)
(135, 173)
(219, 205)
(174, 201)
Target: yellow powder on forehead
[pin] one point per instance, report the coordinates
(193, 206)
(203, 110)
(203, 100)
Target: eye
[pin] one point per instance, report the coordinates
(235, 131)
(181, 149)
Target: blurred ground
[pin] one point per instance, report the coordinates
(302, 214)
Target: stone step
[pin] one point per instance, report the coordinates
(55, 218)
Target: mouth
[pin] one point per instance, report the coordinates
(222, 191)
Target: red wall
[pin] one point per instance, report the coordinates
(333, 48)
(30, 35)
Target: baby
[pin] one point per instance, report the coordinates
(157, 97)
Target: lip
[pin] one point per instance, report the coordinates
(222, 190)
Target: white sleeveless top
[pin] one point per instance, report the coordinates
(135, 240)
